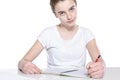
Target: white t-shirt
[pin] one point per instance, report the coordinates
(65, 53)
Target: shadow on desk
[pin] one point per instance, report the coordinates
(12, 74)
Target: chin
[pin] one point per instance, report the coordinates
(72, 24)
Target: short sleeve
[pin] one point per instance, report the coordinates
(89, 35)
(43, 37)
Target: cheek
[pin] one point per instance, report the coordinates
(75, 14)
(62, 19)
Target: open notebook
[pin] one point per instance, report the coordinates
(66, 72)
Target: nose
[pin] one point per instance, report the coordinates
(68, 16)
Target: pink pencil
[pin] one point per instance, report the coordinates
(97, 58)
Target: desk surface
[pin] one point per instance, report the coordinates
(12, 74)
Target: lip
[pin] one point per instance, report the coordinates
(70, 21)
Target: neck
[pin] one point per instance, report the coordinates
(68, 28)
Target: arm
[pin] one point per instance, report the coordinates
(95, 69)
(25, 64)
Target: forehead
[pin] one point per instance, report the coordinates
(64, 5)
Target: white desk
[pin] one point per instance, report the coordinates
(12, 74)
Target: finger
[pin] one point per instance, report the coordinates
(93, 69)
(28, 68)
(94, 64)
(89, 64)
(96, 73)
(97, 64)
(31, 70)
(97, 76)
(36, 69)
(28, 71)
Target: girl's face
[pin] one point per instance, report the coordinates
(66, 11)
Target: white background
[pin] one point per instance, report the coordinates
(21, 21)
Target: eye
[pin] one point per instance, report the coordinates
(72, 8)
(61, 13)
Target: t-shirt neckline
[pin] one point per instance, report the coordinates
(69, 40)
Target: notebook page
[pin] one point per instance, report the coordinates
(66, 72)
(78, 73)
(55, 70)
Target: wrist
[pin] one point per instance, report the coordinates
(21, 64)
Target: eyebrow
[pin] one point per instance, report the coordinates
(68, 9)
(72, 6)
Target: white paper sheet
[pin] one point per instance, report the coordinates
(70, 72)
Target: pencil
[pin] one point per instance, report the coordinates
(97, 58)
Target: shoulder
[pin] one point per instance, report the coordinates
(84, 29)
(46, 34)
(51, 28)
(48, 30)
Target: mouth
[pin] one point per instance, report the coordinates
(71, 21)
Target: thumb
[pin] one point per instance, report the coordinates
(88, 65)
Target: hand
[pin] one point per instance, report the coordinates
(95, 69)
(29, 68)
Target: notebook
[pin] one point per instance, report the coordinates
(80, 73)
